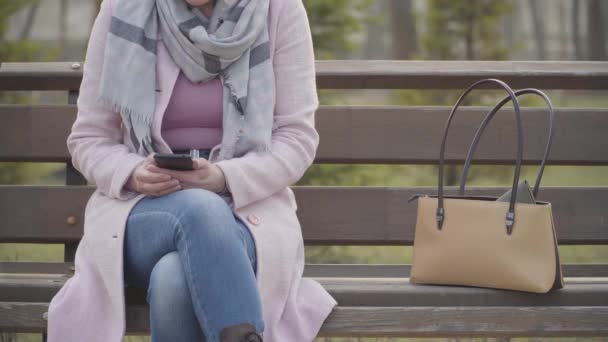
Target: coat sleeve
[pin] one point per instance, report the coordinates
(95, 141)
(257, 175)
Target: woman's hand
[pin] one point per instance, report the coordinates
(205, 175)
(151, 183)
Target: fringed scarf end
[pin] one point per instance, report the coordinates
(124, 110)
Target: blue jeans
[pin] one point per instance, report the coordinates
(197, 260)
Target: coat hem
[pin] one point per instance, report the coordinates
(326, 311)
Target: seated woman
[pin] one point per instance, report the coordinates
(218, 248)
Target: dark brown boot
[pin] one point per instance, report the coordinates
(243, 332)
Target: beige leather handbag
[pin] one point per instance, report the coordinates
(504, 243)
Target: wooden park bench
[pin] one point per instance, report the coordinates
(374, 300)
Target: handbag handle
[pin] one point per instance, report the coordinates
(510, 217)
(487, 120)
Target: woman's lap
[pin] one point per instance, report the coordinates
(200, 242)
(159, 214)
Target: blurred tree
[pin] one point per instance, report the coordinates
(29, 21)
(474, 24)
(563, 33)
(20, 50)
(509, 24)
(333, 23)
(403, 27)
(63, 26)
(375, 42)
(536, 10)
(596, 30)
(576, 31)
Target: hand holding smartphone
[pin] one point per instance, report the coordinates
(174, 161)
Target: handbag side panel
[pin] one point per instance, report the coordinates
(474, 249)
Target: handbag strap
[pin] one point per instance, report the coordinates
(487, 120)
(510, 217)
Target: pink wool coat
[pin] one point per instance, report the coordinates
(90, 306)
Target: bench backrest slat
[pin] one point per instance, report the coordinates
(364, 135)
(366, 74)
(328, 215)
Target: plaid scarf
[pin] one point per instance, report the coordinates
(233, 42)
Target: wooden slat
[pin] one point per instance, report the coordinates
(466, 322)
(22, 267)
(383, 216)
(388, 321)
(363, 134)
(310, 270)
(399, 292)
(367, 74)
(40, 76)
(360, 292)
(36, 133)
(402, 270)
(40, 213)
(412, 135)
(329, 215)
(392, 74)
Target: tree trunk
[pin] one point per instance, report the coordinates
(604, 6)
(469, 40)
(578, 48)
(508, 25)
(563, 38)
(63, 26)
(539, 28)
(374, 46)
(29, 21)
(596, 31)
(403, 27)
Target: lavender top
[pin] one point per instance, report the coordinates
(193, 117)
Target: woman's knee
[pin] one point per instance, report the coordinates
(204, 212)
(168, 287)
(195, 201)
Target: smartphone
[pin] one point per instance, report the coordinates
(174, 161)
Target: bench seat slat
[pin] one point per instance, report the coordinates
(329, 215)
(310, 270)
(388, 321)
(403, 270)
(466, 322)
(361, 292)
